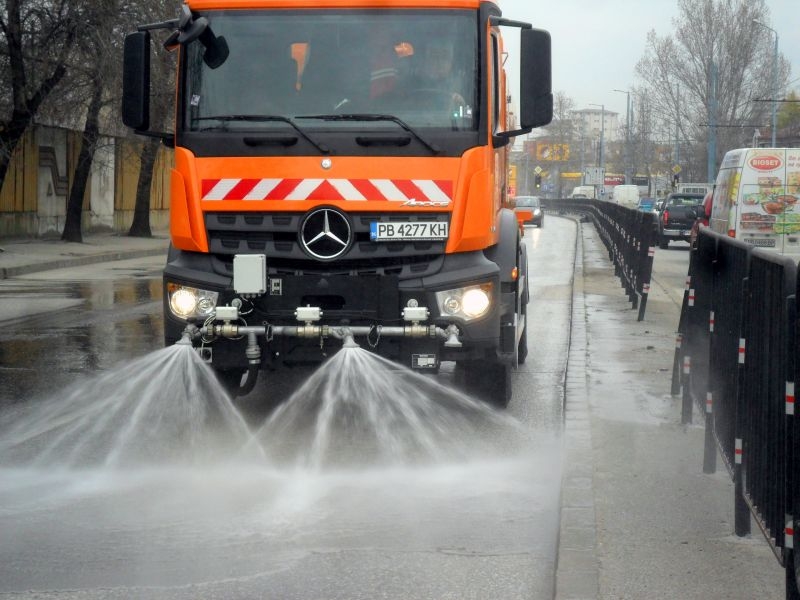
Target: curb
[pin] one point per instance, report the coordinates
(577, 569)
(78, 261)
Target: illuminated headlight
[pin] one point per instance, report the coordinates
(188, 302)
(466, 303)
(537, 211)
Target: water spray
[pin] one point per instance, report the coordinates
(225, 324)
(346, 335)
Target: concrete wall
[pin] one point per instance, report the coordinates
(101, 212)
(52, 180)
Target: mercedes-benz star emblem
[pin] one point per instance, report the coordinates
(325, 234)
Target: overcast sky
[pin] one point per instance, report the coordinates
(597, 43)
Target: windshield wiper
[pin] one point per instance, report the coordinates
(376, 117)
(265, 119)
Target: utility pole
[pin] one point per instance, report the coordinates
(774, 81)
(628, 125)
(677, 123)
(602, 164)
(712, 127)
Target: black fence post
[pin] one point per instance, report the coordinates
(741, 512)
(710, 445)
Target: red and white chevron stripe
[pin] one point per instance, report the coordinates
(357, 190)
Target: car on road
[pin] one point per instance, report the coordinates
(702, 219)
(646, 204)
(677, 217)
(533, 205)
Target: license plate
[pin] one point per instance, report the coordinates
(760, 242)
(419, 230)
(423, 361)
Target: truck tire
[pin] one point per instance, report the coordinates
(663, 242)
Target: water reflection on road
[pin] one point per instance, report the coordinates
(66, 328)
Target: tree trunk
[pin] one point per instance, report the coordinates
(141, 213)
(10, 134)
(91, 133)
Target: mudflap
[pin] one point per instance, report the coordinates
(488, 380)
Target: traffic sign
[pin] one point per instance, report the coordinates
(676, 169)
(538, 170)
(594, 176)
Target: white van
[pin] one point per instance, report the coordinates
(627, 195)
(582, 191)
(756, 198)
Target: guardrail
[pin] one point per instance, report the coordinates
(629, 236)
(735, 360)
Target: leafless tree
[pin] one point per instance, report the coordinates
(709, 72)
(37, 38)
(97, 66)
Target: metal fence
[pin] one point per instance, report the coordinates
(629, 236)
(735, 360)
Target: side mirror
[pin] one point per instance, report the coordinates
(136, 81)
(536, 82)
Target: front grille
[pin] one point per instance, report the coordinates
(276, 236)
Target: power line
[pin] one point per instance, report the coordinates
(732, 126)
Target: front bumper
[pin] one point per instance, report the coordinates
(677, 233)
(356, 299)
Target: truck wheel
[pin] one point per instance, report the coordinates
(488, 381)
(663, 243)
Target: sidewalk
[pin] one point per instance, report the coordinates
(23, 256)
(639, 519)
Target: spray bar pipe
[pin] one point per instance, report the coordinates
(343, 332)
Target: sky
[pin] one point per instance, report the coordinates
(597, 43)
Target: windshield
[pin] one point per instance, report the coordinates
(418, 66)
(684, 200)
(532, 202)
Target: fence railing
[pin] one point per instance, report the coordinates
(735, 360)
(629, 235)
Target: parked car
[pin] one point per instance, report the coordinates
(677, 218)
(533, 205)
(701, 220)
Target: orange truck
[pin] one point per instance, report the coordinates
(340, 179)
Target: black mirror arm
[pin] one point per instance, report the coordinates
(168, 139)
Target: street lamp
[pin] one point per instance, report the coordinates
(602, 133)
(627, 134)
(774, 81)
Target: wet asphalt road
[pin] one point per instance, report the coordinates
(482, 527)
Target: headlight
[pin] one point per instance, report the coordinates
(466, 303)
(188, 302)
(537, 211)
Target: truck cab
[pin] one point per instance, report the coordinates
(340, 174)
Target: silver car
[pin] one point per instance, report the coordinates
(533, 205)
